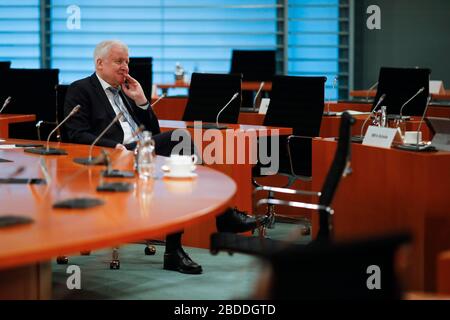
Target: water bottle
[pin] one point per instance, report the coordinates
(145, 156)
(179, 72)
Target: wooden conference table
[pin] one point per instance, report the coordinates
(150, 210)
(372, 93)
(6, 119)
(246, 85)
(231, 151)
(393, 190)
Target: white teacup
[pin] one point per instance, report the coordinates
(413, 137)
(180, 165)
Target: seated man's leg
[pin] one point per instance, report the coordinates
(176, 259)
(232, 220)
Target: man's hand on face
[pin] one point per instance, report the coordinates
(133, 89)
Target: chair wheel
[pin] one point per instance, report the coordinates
(306, 231)
(230, 253)
(85, 253)
(150, 250)
(214, 251)
(62, 260)
(114, 265)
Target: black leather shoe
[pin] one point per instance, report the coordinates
(237, 221)
(179, 260)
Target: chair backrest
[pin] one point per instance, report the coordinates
(32, 92)
(61, 90)
(340, 164)
(255, 65)
(4, 66)
(297, 103)
(399, 85)
(208, 94)
(4, 78)
(141, 70)
(358, 269)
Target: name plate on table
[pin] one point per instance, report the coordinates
(381, 137)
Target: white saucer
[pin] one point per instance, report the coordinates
(166, 168)
(180, 176)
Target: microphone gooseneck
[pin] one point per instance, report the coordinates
(415, 95)
(370, 89)
(158, 100)
(383, 96)
(117, 117)
(257, 94)
(74, 110)
(423, 117)
(7, 101)
(231, 100)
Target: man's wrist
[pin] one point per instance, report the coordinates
(143, 104)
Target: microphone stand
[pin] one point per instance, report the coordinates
(81, 202)
(360, 138)
(114, 173)
(53, 151)
(418, 146)
(158, 100)
(370, 89)
(257, 95)
(89, 160)
(328, 112)
(7, 101)
(113, 186)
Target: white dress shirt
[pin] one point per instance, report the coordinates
(127, 131)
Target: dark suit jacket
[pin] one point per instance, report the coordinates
(96, 113)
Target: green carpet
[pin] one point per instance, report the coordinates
(142, 277)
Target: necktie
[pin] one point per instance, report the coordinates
(121, 106)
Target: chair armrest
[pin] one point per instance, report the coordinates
(287, 191)
(296, 204)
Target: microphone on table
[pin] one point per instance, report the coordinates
(109, 172)
(158, 100)
(79, 202)
(361, 137)
(409, 100)
(328, 112)
(370, 89)
(7, 101)
(418, 146)
(89, 160)
(257, 95)
(217, 126)
(423, 117)
(53, 151)
(114, 173)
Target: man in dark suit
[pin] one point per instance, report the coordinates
(102, 96)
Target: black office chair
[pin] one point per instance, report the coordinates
(208, 94)
(297, 103)
(359, 269)
(255, 65)
(32, 92)
(4, 78)
(141, 69)
(340, 167)
(399, 85)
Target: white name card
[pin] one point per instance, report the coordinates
(381, 137)
(437, 87)
(264, 105)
